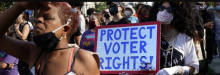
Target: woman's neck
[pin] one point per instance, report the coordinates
(63, 46)
(93, 30)
(117, 17)
(166, 29)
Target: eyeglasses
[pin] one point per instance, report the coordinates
(169, 9)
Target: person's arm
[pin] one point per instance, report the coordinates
(8, 62)
(89, 62)
(191, 59)
(77, 36)
(24, 34)
(77, 39)
(3, 65)
(25, 51)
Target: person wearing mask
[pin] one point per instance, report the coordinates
(88, 38)
(107, 16)
(8, 63)
(75, 38)
(199, 43)
(208, 22)
(217, 25)
(178, 55)
(89, 12)
(138, 7)
(50, 53)
(144, 13)
(76, 7)
(117, 12)
(129, 14)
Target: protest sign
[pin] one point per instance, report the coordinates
(129, 48)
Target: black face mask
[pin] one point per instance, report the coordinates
(48, 41)
(106, 16)
(113, 9)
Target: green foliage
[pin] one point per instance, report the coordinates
(100, 6)
(5, 4)
(209, 3)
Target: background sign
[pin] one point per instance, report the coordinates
(129, 48)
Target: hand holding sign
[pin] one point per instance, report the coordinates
(130, 48)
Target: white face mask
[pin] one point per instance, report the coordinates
(164, 17)
(127, 13)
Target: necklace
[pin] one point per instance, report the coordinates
(174, 37)
(169, 34)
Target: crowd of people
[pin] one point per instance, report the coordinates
(61, 39)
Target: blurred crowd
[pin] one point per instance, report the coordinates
(190, 33)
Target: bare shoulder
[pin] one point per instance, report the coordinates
(89, 61)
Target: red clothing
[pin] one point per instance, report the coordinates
(136, 14)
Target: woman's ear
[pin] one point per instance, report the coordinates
(67, 28)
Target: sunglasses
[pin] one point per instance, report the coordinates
(169, 9)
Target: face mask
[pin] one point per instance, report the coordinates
(217, 8)
(113, 10)
(74, 9)
(92, 24)
(199, 7)
(143, 16)
(164, 17)
(107, 16)
(48, 41)
(127, 13)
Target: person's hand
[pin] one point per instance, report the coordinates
(11, 66)
(34, 5)
(208, 25)
(168, 71)
(211, 25)
(16, 26)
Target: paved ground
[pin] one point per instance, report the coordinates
(215, 65)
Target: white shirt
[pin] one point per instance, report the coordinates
(185, 45)
(82, 23)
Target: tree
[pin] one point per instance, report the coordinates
(100, 6)
(5, 4)
(209, 3)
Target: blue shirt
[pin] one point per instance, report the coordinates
(217, 27)
(30, 12)
(133, 19)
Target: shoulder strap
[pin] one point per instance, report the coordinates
(70, 59)
(22, 25)
(74, 59)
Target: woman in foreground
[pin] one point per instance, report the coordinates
(178, 54)
(50, 53)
